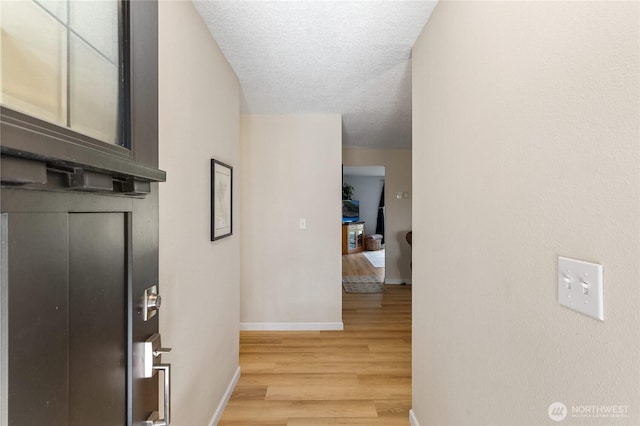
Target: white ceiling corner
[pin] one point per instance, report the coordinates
(318, 56)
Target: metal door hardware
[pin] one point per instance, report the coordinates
(151, 304)
(152, 354)
(87, 180)
(152, 363)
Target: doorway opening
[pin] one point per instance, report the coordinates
(363, 223)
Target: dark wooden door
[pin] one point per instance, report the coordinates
(67, 340)
(97, 295)
(79, 246)
(72, 285)
(35, 353)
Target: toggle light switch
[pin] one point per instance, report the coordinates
(587, 297)
(568, 280)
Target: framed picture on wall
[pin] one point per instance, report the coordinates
(221, 200)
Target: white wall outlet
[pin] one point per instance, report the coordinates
(580, 286)
(303, 223)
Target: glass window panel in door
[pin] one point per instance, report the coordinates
(61, 63)
(96, 22)
(57, 8)
(33, 61)
(93, 92)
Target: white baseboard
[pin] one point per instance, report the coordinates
(397, 281)
(413, 420)
(225, 399)
(291, 326)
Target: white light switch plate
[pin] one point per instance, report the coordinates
(580, 286)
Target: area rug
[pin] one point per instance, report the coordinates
(360, 279)
(375, 258)
(362, 284)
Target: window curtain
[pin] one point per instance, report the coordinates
(380, 220)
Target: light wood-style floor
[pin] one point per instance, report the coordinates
(357, 264)
(359, 376)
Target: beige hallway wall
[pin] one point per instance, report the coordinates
(199, 279)
(291, 278)
(525, 147)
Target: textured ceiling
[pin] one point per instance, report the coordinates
(313, 56)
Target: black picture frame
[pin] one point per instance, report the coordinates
(221, 200)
